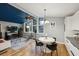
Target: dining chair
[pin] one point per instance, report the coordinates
(54, 38)
(38, 43)
(52, 47)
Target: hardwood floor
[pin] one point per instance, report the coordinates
(29, 50)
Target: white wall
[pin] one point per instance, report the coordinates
(58, 30)
(4, 24)
(71, 24)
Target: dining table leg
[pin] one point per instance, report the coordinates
(45, 49)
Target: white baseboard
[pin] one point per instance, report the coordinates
(60, 42)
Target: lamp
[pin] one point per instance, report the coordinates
(53, 22)
(27, 26)
(46, 21)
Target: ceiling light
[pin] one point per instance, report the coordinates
(45, 20)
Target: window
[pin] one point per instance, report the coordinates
(28, 26)
(34, 21)
(35, 25)
(35, 29)
(41, 25)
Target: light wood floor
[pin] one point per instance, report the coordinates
(29, 50)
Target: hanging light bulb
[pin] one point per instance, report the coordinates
(46, 21)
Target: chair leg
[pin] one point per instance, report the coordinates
(51, 53)
(57, 52)
(45, 51)
(35, 50)
(40, 51)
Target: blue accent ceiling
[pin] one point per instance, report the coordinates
(11, 14)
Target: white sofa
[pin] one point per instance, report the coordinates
(5, 44)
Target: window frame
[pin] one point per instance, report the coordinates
(37, 27)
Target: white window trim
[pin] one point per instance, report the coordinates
(35, 25)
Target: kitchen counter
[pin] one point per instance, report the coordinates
(74, 41)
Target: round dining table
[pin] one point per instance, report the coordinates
(45, 41)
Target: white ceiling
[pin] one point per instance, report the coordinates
(53, 9)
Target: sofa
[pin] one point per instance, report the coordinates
(4, 44)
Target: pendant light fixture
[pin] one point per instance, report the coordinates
(45, 20)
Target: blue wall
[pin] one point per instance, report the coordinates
(11, 14)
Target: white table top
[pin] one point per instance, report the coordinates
(46, 40)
